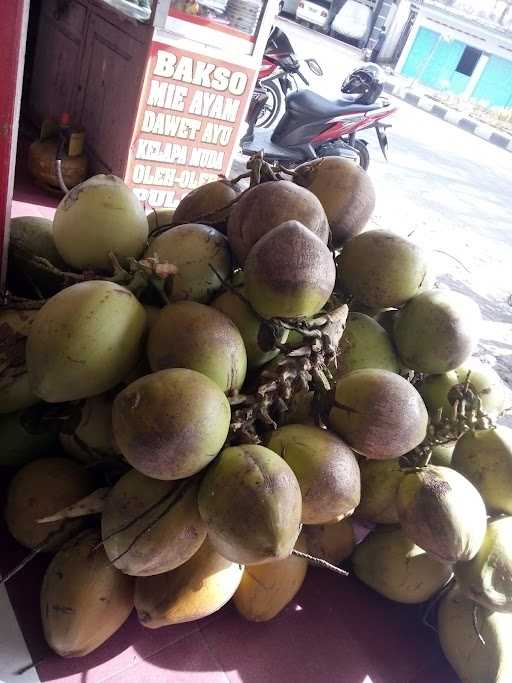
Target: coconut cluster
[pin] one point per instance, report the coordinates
(199, 404)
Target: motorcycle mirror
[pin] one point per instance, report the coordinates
(315, 67)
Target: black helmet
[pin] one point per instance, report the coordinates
(366, 81)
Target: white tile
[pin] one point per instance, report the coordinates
(453, 116)
(426, 105)
(484, 132)
(14, 654)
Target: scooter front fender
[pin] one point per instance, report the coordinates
(382, 137)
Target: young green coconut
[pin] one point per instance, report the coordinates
(380, 480)
(15, 390)
(437, 331)
(434, 390)
(475, 640)
(378, 413)
(209, 203)
(201, 586)
(99, 216)
(84, 599)
(380, 269)
(171, 424)
(330, 542)
(325, 467)
(442, 454)
(84, 341)
(442, 512)
(251, 503)
(345, 191)
(487, 578)
(365, 344)
(198, 252)
(249, 325)
(35, 234)
(289, 273)
(266, 589)
(150, 527)
(191, 335)
(395, 567)
(41, 489)
(20, 446)
(484, 456)
(268, 205)
(91, 441)
(160, 218)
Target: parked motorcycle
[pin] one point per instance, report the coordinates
(278, 75)
(313, 126)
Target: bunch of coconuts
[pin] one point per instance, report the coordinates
(119, 409)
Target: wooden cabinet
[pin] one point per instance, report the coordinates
(57, 60)
(90, 62)
(110, 80)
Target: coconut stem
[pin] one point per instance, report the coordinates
(465, 415)
(236, 291)
(260, 171)
(41, 547)
(304, 326)
(302, 369)
(238, 178)
(435, 601)
(92, 504)
(445, 253)
(137, 277)
(475, 624)
(207, 218)
(28, 558)
(33, 665)
(23, 257)
(318, 562)
(19, 303)
(289, 171)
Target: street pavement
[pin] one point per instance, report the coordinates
(449, 191)
(452, 193)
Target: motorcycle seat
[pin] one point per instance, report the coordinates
(307, 104)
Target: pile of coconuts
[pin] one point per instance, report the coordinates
(197, 406)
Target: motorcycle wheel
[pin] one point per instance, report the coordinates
(271, 110)
(364, 154)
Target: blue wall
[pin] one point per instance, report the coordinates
(433, 61)
(436, 61)
(495, 84)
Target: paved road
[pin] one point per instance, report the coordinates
(451, 190)
(336, 59)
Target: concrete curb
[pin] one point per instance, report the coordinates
(481, 130)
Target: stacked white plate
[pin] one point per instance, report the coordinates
(216, 5)
(243, 14)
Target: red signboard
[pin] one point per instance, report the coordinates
(189, 119)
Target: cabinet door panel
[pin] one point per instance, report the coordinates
(71, 19)
(56, 71)
(110, 83)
